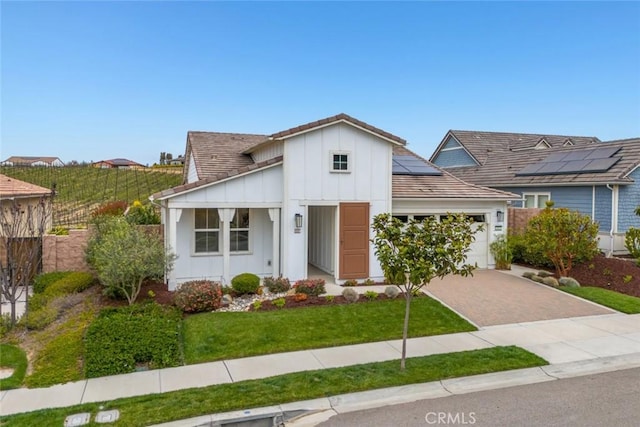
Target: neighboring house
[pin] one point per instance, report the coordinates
(117, 164)
(32, 161)
(27, 196)
(596, 178)
(274, 204)
(178, 161)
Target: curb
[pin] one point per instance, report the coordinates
(317, 411)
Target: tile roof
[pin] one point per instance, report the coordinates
(445, 186)
(120, 162)
(338, 118)
(216, 152)
(215, 178)
(482, 145)
(499, 169)
(27, 160)
(11, 187)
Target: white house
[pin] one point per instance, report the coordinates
(274, 204)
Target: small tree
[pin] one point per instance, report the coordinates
(22, 225)
(563, 236)
(123, 256)
(632, 238)
(413, 254)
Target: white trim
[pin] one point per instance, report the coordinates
(349, 159)
(274, 216)
(194, 230)
(536, 199)
(459, 147)
(631, 171)
(593, 203)
(203, 204)
(542, 144)
(335, 123)
(200, 187)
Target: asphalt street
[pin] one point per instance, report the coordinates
(609, 399)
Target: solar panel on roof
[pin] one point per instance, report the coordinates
(576, 161)
(410, 165)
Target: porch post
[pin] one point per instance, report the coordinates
(226, 215)
(274, 215)
(171, 238)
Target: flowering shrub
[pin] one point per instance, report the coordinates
(198, 295)
(116, 208)
(142, 214)
(311, 287)
(277, 285)
(300, 297)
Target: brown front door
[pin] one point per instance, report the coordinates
(354, 240)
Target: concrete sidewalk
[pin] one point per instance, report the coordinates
(588, 341)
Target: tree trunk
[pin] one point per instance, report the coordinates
(405, 330)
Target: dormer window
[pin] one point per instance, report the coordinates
(340, 161)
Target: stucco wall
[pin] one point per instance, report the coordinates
(518, 218)
(63, 253)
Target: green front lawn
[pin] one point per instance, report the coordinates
(15, 358)
(615, 300)
(159, 408)
(216, 336)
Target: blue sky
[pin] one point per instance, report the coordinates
(97, 80)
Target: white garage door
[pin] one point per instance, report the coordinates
(479, 252)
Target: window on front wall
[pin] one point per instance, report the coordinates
(535, 200)
(340, 162)
(207, 230)
(239, 231)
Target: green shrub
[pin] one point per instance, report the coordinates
(37, 301)
(632, 241)
(6, 325)
(310, 287)
(368, 282)
(140, 214)
(40, 318)
(257, 305)
(280, 302)
(350, 294)
(350, 282)
(501, 253)
(121, 339)
(245, 283)
(330, 298)
(277, 285)
(371, 295)
(569, 282)
(44, 280)
(72, 283)
(59, 231)
(198, 295)
(392, 291)
(517, 247)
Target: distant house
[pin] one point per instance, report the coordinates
(178, 161)
(117, 164)
(32, 161)
(596, 178)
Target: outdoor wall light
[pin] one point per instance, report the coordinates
(298, 218)
(500, 216)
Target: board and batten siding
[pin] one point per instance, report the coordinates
(269, 151)
(322, 233)
(192, 174)
(310, 182)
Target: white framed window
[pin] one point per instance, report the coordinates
(340, 161)
(206, 226)
(535, 200)
(239, 231)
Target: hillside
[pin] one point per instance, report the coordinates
(80, 189)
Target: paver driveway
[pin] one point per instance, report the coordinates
(493, 297)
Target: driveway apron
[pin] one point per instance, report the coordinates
(492, 297)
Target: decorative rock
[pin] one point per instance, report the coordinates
(569, 282)
(528, 274)
(543, 273)
(227, 299)
(350, 294)
(550, 281)
(392, 291)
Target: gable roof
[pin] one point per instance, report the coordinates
(501, 166)
(483, 145)
(445, 186)
(28, 160)
(11, 187)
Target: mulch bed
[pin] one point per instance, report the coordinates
(290, 302)
(617, 274)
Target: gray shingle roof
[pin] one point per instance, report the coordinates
(445, 186)
(501, 161)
